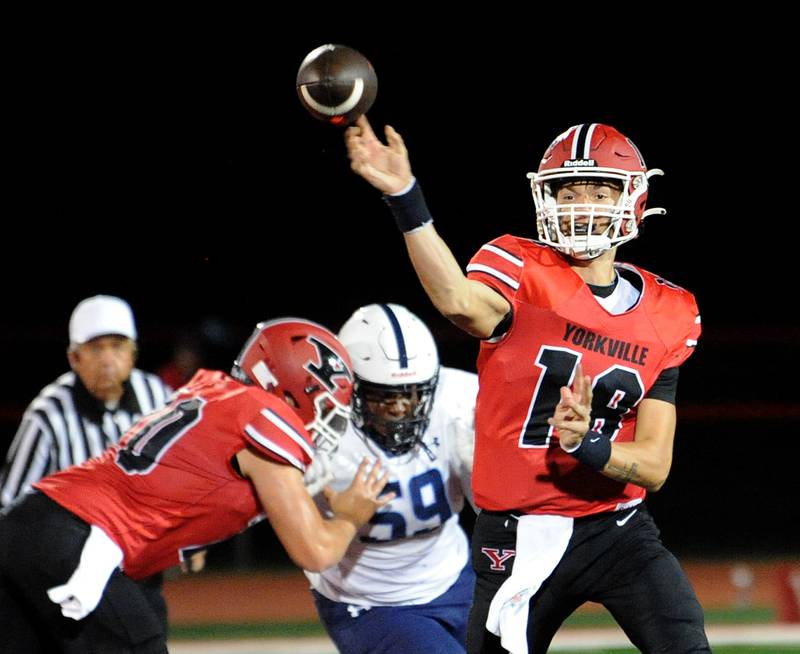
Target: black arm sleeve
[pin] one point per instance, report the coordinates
(503, 326)
(665, 387)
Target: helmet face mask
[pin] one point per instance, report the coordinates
(395, 432)
(396, 368)
(306, 366)
(329, 424)
(590, 154)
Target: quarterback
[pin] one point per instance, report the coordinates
(575, 417)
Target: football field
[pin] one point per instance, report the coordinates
(229, 614)
(725, 639)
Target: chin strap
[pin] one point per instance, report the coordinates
(427, 450)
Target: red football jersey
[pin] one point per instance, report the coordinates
(557, 324)
(169, 484)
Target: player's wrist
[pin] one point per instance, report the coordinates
(569, 449)
(351, 521)
(347, 511)
(594, 450)
(409, 209)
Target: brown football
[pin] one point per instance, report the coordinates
(336, 84)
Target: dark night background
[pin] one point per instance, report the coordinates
(179, 171)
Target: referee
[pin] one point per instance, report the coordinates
(85, 411)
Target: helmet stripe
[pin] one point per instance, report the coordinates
(582, 141)
(578, 142)
(398, 334)
(587, 152)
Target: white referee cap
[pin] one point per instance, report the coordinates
(101, 315)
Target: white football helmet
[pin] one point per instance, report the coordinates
(592, 153)
(394, 360)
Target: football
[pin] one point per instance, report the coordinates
(336, 84)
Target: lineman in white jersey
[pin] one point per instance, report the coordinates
(405, 583)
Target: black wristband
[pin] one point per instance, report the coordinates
(409, 210)
(594, 450)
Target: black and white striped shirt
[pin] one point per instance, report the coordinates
(66, 425)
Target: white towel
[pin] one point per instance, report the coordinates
(541, 542)
(81, 594)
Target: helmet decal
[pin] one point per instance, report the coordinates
(329, 367)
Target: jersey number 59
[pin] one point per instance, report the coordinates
(434, 506)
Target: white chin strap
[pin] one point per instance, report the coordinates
(586, 247)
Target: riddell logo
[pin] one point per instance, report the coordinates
(574, 163)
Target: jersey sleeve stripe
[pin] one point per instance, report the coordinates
(287, 429)
(272, 447)
(479, 267)
(500, 252)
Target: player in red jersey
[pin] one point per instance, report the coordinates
(227, 451)
(575, 416)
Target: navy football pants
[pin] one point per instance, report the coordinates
(438, 627)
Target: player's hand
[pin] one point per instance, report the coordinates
(572, 416)
(195, 562)
(359, 501)
(386, 167)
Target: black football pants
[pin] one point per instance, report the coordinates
(618, 563)
(40, 547)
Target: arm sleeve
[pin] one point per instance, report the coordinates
(665, 387)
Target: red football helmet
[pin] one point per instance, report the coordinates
(305, 365)
(591, 153)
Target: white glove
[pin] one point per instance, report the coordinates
(319, 474)
(82, 592)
